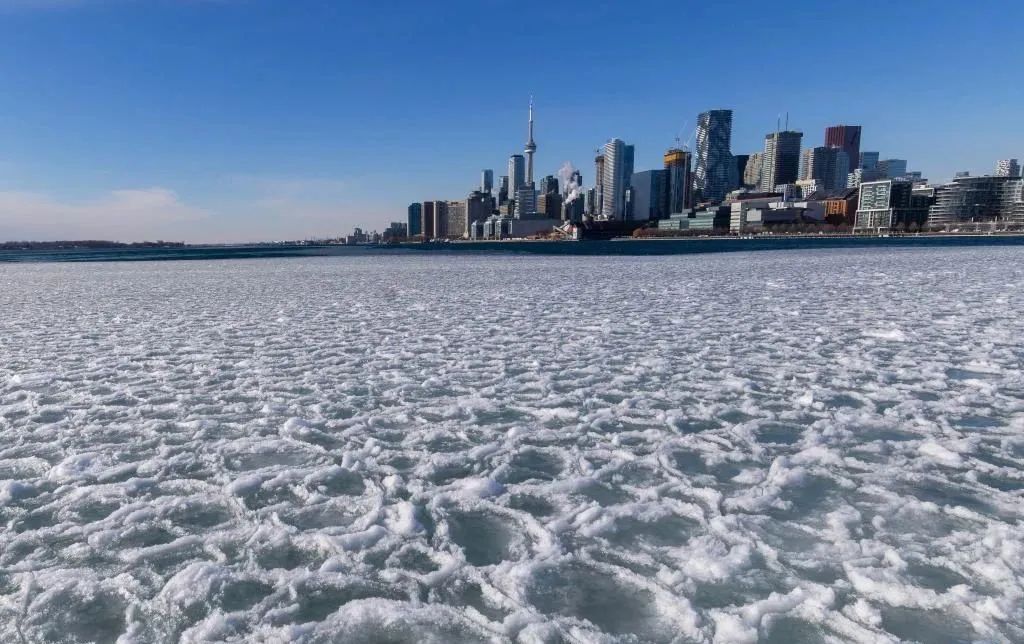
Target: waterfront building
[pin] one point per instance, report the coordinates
(888, 205)
(357, 237)
(1007, 168)
(740, 208)
(678, 181)
(781, 162)
(829, 166)
(648, 188)
(715, 167)
(846, 138)
(868, 160)
(487, 181)
(752, 171)
(974, 200)
(415, 219)
(841, 206)
(618, 170)
(498, 227)
(397, 230)
(676, 221)
(516, 173)
(708, 220)
(455, 223)
(893, 168)
(430, 213)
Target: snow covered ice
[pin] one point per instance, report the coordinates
(782, 447)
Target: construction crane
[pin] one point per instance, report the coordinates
(679, 138)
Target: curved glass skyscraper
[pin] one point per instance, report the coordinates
(715, 172)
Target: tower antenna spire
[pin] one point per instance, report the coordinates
(531, 147)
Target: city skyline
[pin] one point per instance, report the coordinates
(202, 136)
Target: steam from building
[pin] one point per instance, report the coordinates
(570, 178)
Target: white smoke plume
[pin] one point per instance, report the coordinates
(570, 188)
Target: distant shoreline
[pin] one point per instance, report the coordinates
(621, 247)
(100, 245)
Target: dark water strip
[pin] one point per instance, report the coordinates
(620, 247)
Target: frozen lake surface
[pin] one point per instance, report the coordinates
(782, 447)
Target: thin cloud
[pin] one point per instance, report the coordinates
(134, 214)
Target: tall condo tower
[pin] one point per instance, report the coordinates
(715, 165)
(781, 162)
(617, 170)
(531, 147)
(516, 172)
(677, 181)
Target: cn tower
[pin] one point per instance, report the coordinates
(531, 147)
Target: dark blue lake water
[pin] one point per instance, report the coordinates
(621, 247)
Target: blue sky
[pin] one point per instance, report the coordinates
(233, 120)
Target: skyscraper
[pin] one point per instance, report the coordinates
(598, 202)
(415, 219)
(487, 181)
(516, 173)
(868, 160)
(549, 204)
(441, 219)
(741, 161)
(1007, 168)
(531, 147)
(781, 163)
(479, 205)
(627, 169)
(526, 201)
(893, 168)
(428, 223)
(829, 166)
(752, 173)
(503, 190)
(714, 159)
(456, 224)
(618, 170)
(648, 188)
(548, 185)
(846, 137)
(678, 181)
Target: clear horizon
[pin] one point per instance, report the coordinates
(257, 120)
